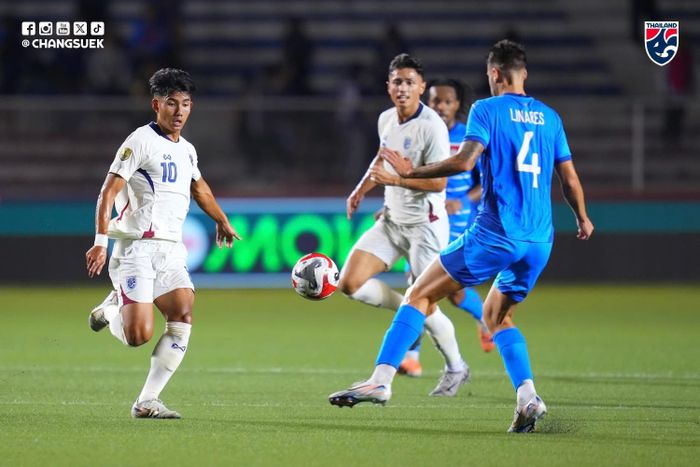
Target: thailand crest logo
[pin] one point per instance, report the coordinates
(661, 41)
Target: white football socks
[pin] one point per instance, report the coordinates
(442, 331)
(116, 327)
(166, 357)
(526, 392)
(383, 375)
(377, 293)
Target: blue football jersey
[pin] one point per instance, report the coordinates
(458, 186)
(524, 139)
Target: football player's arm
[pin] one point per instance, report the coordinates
(96, 256)
(380, 175)
(203, 196)
(363, 187)
(425, 184)
(573, 193)
(476, 190)
(464, 160)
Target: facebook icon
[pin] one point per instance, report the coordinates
(28, 28)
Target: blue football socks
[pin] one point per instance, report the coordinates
(513, 349)
(415, 347)
(404, 330)
(472, 303)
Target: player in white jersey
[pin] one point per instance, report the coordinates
(451, 99)
(150, 183)
(414, 222)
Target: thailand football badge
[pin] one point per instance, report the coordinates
(661, 41)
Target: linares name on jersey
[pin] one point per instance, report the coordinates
(523, 116)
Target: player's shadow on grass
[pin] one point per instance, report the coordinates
(553, 426)
(570, 427)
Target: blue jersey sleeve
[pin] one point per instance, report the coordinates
(562, 153)
(478, 124)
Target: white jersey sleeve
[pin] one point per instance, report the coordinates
(129, 157)
(437, 141)
(196, 174)
(159, 174)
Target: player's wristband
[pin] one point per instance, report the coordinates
(101, 240)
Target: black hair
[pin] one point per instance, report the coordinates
(167, 81)
(462, 90)
(406, 61)
(508, 56)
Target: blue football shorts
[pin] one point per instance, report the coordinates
(479, 255)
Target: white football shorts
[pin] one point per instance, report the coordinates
(143, 270)
(420, 244)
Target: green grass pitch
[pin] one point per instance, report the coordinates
(619, 368)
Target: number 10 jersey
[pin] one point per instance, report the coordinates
(156, 198)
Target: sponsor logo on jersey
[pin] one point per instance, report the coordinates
(125, 154)
(661, 39)
(407, 143)
(131, 282)
(167, 157)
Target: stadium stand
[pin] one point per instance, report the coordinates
(616, 106)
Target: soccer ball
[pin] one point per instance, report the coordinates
(315, 276)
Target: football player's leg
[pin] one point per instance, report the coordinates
(174, 296)
(102, 313)
(168, 353)
(108, 311)
(469, 300)
(410, 365)
(131, 318)
(442, 332)
(136, 323)
(511, 344)
(511, 287)
(133, 324)
(404, 330)
(373, 253)
(424, 250)
(421, 299)
(498, 311)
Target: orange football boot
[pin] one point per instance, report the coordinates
(486, 339)
(410, 367)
